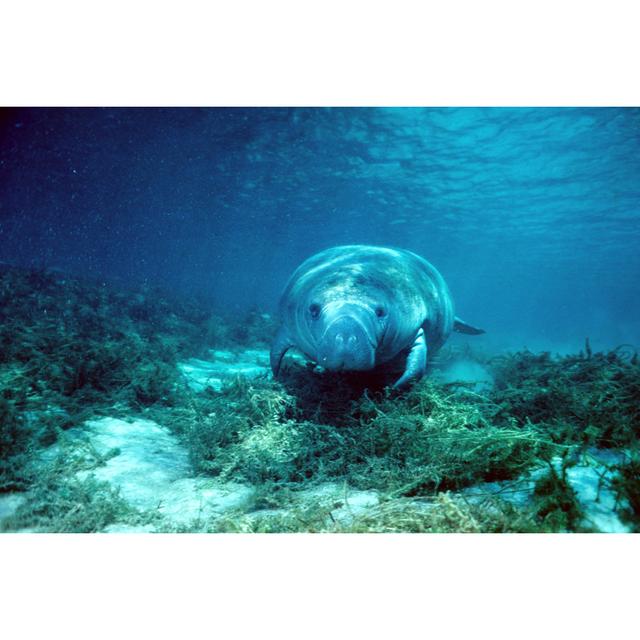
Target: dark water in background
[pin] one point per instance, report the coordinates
(532, 215)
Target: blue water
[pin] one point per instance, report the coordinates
(532, 215)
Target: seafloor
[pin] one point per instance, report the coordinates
(130, 411)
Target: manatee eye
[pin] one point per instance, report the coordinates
(314, 310)
(381, 312)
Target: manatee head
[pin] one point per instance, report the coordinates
(342, 327)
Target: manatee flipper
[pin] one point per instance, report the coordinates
(280, 346)
(463, 327)
(416, 362)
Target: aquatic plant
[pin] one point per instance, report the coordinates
(71, 350)
(311, 428)
(68, 505)
(627, 485)
(555, 501)
(418, 444)
(16, 432)
(255, 328)
(586, 399)
(446, 513)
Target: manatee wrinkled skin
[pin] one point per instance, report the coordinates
(357, 307)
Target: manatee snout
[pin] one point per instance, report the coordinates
(346, 344)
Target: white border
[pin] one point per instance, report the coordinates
(319, 586)
(334, 52)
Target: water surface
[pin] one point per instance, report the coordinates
(532, 215)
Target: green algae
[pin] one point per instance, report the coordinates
(627, 485)
(445, 514)
(70, 350)
(587, 399)
(555, 502)
(73, 350)
(69, 505)
(312, 428)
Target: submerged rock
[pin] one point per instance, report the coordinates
(224, 366)
(468, 372)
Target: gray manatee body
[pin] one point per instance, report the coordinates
(357, 307)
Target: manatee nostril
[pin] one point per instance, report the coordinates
(352, 341)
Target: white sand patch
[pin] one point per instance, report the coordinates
(469, 372)
(192, 499)
(9, 503)
(152, 472)
(349, 503)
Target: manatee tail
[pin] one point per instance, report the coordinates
(463, 327)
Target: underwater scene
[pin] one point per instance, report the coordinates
(343, 320)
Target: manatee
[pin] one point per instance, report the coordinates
(357, 307)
